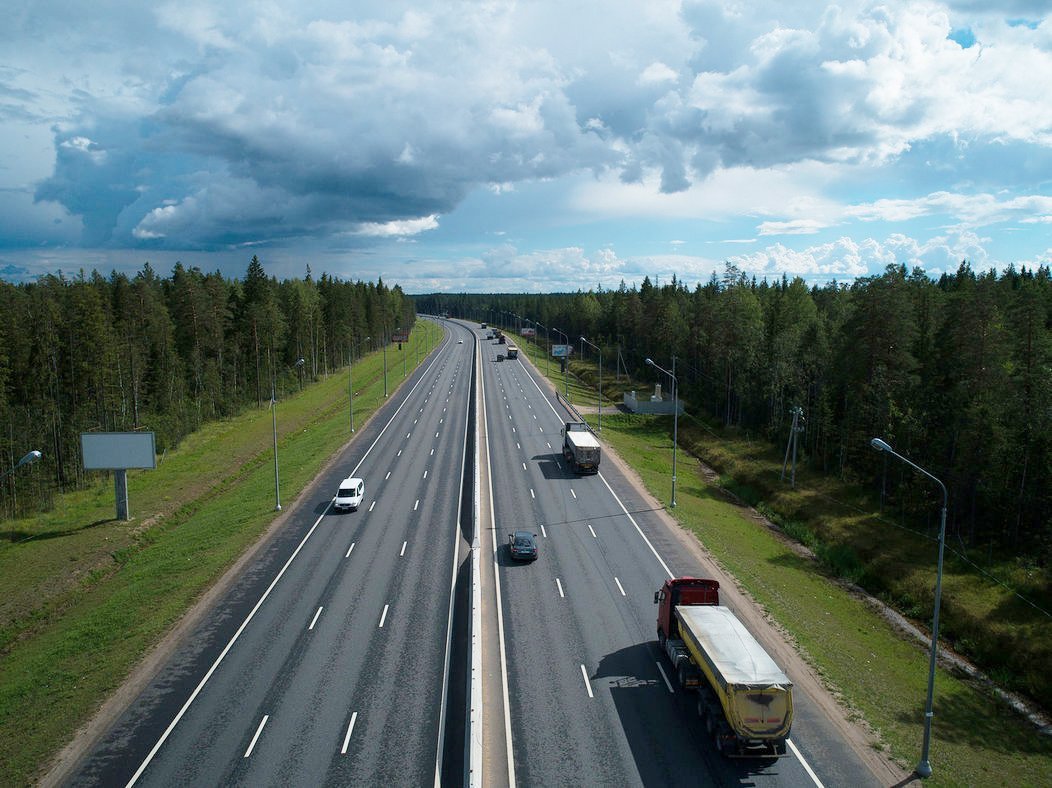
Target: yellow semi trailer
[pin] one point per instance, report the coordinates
(744, 698)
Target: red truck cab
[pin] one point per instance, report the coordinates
(682, 591)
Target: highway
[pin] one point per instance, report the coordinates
(591, 697)
(327, 661)
(338, 656)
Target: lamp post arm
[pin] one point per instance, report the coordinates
(920, 470)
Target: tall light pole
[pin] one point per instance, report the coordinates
(385, 341)
(675, 422)
(274, 428)
(566, 366)
(299, 371)
(924, 765)
(548, 347)
(350, 379)
(29, 459)
(600, 350)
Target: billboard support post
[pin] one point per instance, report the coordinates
(120, 490)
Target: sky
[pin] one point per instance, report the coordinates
(531, 146)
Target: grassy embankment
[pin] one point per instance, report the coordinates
(84, 597)
(880, 675)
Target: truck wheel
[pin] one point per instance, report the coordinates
(681, 675)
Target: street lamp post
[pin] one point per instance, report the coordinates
(566, 366)
(675, 422)
(350, 379)
(274, 429)
(29, 459)
(548, 348)
(924, 765)
(385, 341)
(600, 351)
(299, 371)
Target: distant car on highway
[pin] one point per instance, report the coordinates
(523, 546)
(350, 495)
(460, 341)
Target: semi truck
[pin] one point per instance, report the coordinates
(744, 698)
(580, 447)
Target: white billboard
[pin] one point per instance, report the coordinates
(528, 332)
(104, 451)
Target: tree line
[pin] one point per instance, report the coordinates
(955, 373)
(164, 354)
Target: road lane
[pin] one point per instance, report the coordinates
(608, 564)
(344, 699)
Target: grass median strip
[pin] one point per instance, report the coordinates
(84, 597)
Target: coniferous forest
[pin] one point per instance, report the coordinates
(955, 373)
(168, 354)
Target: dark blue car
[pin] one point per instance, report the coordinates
(523, 546)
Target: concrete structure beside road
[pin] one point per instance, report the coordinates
(655, 404)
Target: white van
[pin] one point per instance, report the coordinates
(350, 495)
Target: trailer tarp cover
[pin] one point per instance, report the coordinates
(730, 649)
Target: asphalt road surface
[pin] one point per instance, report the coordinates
(592, 699)
(338, 655)
(326, 663)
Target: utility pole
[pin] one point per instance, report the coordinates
(794, 430)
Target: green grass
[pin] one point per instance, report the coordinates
(83, 597)
(977, 740)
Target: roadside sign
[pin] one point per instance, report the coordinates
(562, 351)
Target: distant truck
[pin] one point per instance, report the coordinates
(513, 352)
(744, 698)
(483, 325)
(580, 447)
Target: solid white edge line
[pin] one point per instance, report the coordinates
(587, 683)
(255, 738)
(314, 620)
(383, 617)
(347, 737)
(631, 519)
(668, 683)
(559, 585)
(197, 690)
(449, 617)
(620, 587)
(803, 762)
